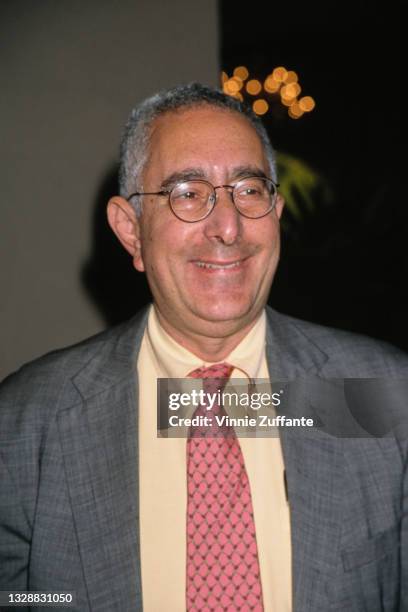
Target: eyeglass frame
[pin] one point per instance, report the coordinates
(168, 192)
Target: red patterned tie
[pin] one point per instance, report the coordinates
(222, 556)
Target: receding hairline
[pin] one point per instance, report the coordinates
(201, 105)
(191, 107)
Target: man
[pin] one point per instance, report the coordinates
(93, 502)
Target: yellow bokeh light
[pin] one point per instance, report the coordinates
(224, 77)
(290, 91)
(291, 77)
(260, 107)
(292, 115)
(253, 87)
(270, 85)
(231, 86)
(307, 104)
(241, 72)
(239, 96)
(286, 95)
(279, 74)
(287, 101)
(295, 87)
(239, 82)
(294, 110)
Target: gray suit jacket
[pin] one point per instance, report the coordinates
(69, 478)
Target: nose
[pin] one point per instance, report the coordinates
(224, 222)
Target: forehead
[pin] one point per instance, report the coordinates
(204, 135)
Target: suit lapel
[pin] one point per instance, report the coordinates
(313, 468)
(99, 439)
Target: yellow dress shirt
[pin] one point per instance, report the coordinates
(163, 480)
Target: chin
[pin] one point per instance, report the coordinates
(223, 313)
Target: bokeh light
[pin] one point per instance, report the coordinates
(290, 91)
(260, 106)
(286, 101)
(239, 81)
(307, 104)
(294, 110)
(241, 72)
(291, 77)
(279, 74)
(270, 85)
(232, 86)
(253, 87)
(280, 81)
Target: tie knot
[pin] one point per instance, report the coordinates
(214, 377)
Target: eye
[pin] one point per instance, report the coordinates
(252, 189)
(189, 192)
(249, 191)
(187, 195)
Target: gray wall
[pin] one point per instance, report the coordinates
(70, 73)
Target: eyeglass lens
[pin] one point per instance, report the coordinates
(193, 200)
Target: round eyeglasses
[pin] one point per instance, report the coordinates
(191, 201)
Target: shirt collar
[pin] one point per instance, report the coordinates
(174, 361)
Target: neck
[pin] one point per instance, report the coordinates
(212, 347)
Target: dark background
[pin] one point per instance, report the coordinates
(344, 264)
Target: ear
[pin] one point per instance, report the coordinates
(125, 225)
(280, 203)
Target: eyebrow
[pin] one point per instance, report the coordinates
(242, 171)
(190, 174)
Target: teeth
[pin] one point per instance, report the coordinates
(202, 264)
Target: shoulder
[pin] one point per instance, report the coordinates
(46, 383)
(347, 354)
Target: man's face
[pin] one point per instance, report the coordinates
(211, 277)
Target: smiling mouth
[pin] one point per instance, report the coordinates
(209, 265)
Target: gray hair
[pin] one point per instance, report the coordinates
(134, 147)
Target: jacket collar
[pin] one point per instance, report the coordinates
(114, 359)
(290, 353)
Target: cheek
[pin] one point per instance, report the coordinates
(267, 235)
(271, 252)
(165, 245)
(172, 238)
